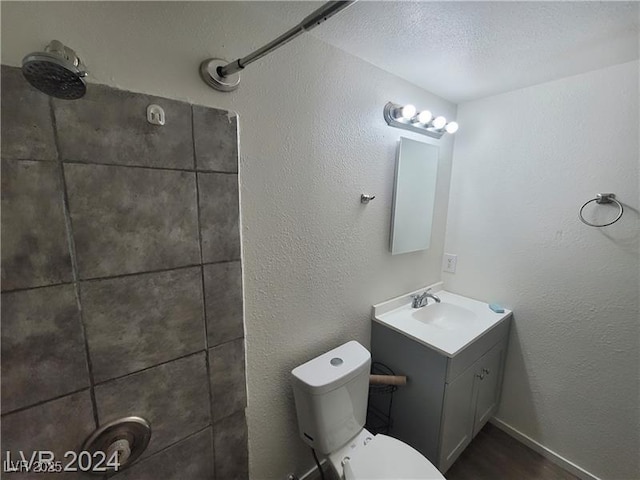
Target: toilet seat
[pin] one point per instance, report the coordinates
(387, 458)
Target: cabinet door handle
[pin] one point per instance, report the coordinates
(480, 376)
(485, 371)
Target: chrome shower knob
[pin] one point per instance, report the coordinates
(122, 441)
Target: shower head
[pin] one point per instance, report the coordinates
(57, 71)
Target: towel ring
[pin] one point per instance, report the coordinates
(602, 198)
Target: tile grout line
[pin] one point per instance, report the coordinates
(160, 270)
(42, 402)
(204, 302)
(39, 287)
(123, 275)
(120, 377)
(165, 362)
(74, 263)
(167, 447)
(98, 164)
(144, 167)
(146, 272)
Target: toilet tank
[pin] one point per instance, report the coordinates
(331, 396)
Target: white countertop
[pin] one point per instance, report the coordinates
(447, 327)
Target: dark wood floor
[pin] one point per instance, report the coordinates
(494, 455)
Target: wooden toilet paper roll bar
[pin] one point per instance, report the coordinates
(388, 379)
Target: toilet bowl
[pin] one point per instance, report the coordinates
(331, 393)
(377, 457)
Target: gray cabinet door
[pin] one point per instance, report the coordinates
(488, 378)
(457, 418)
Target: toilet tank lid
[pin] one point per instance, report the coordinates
(332, 369)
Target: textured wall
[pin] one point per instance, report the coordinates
(312, 139)
(525, 162)
(487, 47)
(121, 279)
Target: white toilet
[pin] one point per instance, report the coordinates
(331, 394)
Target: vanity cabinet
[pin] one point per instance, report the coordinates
(469, 402)
(447, 399)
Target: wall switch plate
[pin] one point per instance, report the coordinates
(449, 263)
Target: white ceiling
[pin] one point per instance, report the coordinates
(468, 50)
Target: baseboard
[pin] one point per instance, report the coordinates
(544, 451)
(313, 473)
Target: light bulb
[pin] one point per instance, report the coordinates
(424, 117)
(452, 127)
(407, 112)
(439, 122)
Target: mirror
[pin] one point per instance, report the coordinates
(414, 196)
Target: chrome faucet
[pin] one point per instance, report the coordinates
(423, 300)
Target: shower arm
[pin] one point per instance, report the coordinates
(310, 21)
(223, 76)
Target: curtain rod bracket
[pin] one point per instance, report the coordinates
(210, 73)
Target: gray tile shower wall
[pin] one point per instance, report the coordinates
(55, 426)
(20, 123)
(130, 220)
(34, 250)
(214, 134)
(121, 279)
(139, 321)
(42, 342)
(107, 127)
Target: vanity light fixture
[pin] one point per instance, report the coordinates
(423, 118)
(452, 127)
(438, 123)
(424, 122)
(404, 114)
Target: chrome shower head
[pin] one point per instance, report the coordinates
(57, 71)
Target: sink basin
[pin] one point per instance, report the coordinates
(445, 315)
(447, 327)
